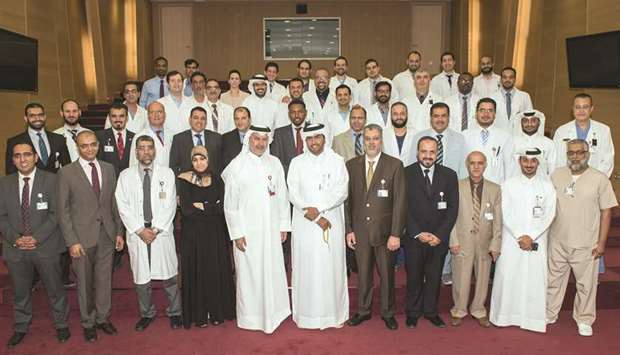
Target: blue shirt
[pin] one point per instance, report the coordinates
(582, 133)
(150, 90)
(400, 140)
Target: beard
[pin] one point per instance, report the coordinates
(486, 70)
(399, 123)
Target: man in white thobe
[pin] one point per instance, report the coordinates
(318, 186)
(398, 139)
(262, 108)
(510, 100)
(403, 81)
(71, 113)
(146, 199)
(532, 134)
(419, 104)
(444, 83)
(176, 104)
(258, 216)
(487, 83)
(520, 284)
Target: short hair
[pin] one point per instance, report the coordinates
(414, 52)
(359, 107)
(33, 105)
(487, 56)
(304, 61)
(583, 95)
(400, 103)
(119, 106)
(373, 127)
(160, 58)
(145, 138)
(234, 71)
(437, 105)
(484, 157)
(467, 73)
(514, 71)
(343, 86)
(197, 108)
(445, 54)
(244, 109)
(62, 104)
(24, 143)
(212, 79)
(426, 138)
(130, 82)
(487, 100)
(296, 79)
(191, 61)
(341, 58)
(383, 83)
(173, 73)
(272, 65)
(296, 102)
(370, 60)
(583, 142)
(197, 73)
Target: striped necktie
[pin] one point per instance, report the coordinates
(359, 150)
(439, 149)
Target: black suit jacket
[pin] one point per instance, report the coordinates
(106, 138)
(423, 214)
(182, 144)
(58, 154)
(283, 146)
(231, 147)
(43, 221)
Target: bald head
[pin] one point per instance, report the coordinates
(476, 164)
(156, 114)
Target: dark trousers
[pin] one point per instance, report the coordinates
(22, 273)
(367, 257)
(424, 265)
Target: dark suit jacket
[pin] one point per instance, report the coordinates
(182, 144)
(106, 138)
(231, 147)
(283, 146)
(422, 212)
(374, 218)
(58, 154)
(42, 221)
(80, 213)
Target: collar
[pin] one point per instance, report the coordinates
(431, 169)
(85, 163)
(375, 159)
(34, 132)
(31, 175)
(194, 133)
(116, 132)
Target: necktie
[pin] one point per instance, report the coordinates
(369, 174)
(427, 182)
(270, 87)
(359, 150)
(146, 197)
(43, 149)
(241, 137)
(476, 216)
(215, 117)
(439, 149)
(158, 134)
(198, 139)
(464, 114)
(26, 228)
(508, 104)
(73, 134)
(373, 99)
(421, 99)
(161, 88)
(299, 143)
(485, 136)
(94, 178)
(449, 80)
(120, 146)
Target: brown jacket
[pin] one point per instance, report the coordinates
(374, 218)
(489, 237)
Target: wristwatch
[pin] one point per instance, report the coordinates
(155, 230)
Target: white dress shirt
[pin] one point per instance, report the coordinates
(88, 170)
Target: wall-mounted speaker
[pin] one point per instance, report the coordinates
(301, 9)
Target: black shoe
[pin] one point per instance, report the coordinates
(437, 321)
(90, 334)
(358, 319)
(107, 328)
(63, 334)
(175, 322)
(143, 323)
(411, 322)
(16, 338)
(390, 323)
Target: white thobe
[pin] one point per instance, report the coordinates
(499, 151)
(419, 114)
(135, 123)
(403, 82)
(520, 101)
(441, 86)
(316, 112)
(255, 213)
(366, 97)
(71, 145)
(455, 102)
(177, 117)
(129, 198)
(319, 278)
(275, 91)
(548, 157)
(520, 283)
(390, 146)
(263, 110)
(162, 151)
(484, 87)
(334, 82)
(601, 154)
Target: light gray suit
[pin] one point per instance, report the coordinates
(454, 154)
(45, 258)
(94, 223)
(343, 145)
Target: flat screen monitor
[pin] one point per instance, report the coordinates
(594, 60)
(18, 62)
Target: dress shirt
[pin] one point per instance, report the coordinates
(30, 184)
(195, 139)
(374, 167)
(430, 173)
(35, 140)
(150, 90)
(87, 170)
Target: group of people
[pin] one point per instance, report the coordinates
(325, 177)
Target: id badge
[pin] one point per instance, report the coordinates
(382, 193)
(488, 216)
(271, 188)
(162, 195)
(537, 212)
(442, 205)
(41, 206)
(569, 191)
(108, 149)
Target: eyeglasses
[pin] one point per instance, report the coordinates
(584, 107)
(486, 110)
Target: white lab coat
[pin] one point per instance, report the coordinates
(486, 87)
(419, 114)
(441, 86)
(348, 81)
(135, 123)
(403, 82)
(390, 146)
(520, 102)
(71, 145)
(263, 110)
(364, 97)
(316, 113)
(319, 278)
(335, 124)
(129, 199)
(520, 282)
(162, 152)
(499, 151)
(177, 118)
(226, 122)
(601, 154)
(455, 102)
(374, 116)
